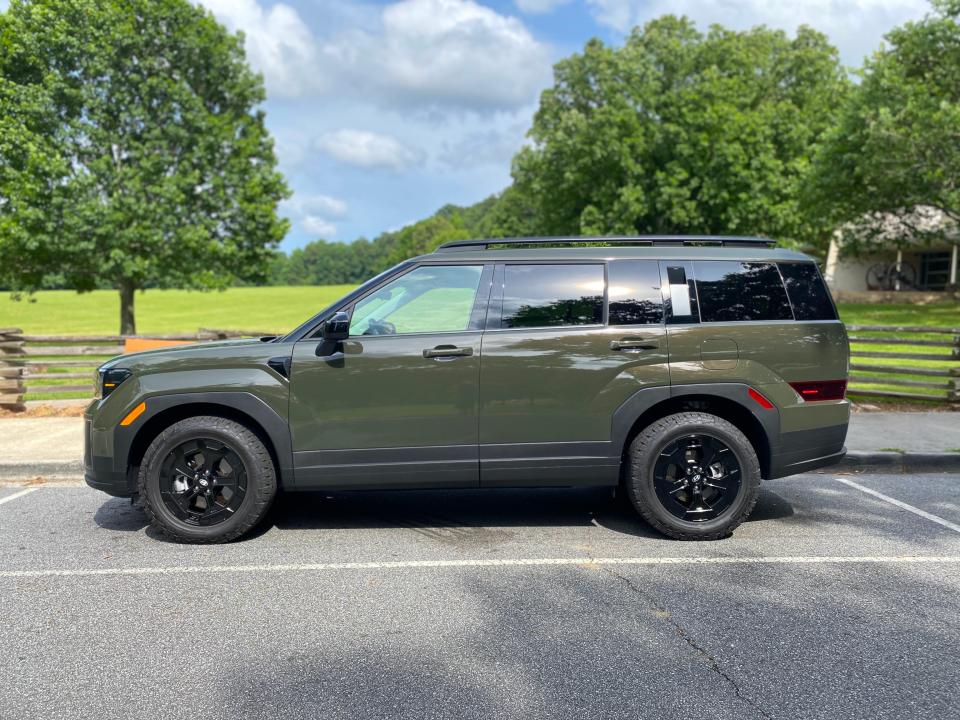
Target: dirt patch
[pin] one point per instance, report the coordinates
(36, 411)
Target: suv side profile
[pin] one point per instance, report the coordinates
(681, 370)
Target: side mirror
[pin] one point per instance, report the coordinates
(337, 328)
(335, 331)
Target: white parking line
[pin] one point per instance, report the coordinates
(909, 508)
(485, 563)
(16, 495)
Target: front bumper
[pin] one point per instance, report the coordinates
(98, 462)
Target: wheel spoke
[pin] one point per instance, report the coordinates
(696, 477)
(213, 460)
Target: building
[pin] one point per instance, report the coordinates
(901, 262)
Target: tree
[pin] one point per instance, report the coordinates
(133, 149)
(679, 132)
(895, 152)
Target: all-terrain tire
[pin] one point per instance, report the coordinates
(260, 474)
(659, 435)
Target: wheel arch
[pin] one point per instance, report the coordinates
(729, 401)
(243, 408)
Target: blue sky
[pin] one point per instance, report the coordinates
(384, 111)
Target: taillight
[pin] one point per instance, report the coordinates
(821, 389)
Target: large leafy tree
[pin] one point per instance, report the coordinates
(895, 152)
(133, 150)
(681, 132)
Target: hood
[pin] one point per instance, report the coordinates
(164, 352)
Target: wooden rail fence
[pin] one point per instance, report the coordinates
(929, 356)
(44, 365)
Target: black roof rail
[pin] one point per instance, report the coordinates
(648, 240)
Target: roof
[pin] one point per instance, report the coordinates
(655, 247)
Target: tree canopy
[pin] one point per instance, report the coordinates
(133, 151)
(681, 132)
(896, 147)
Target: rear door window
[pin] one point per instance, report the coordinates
(634, 292)
(552, 295)
(808, 294)
(731, 291)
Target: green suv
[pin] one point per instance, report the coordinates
(679, 369)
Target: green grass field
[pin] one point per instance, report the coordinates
(278, 309)
(260, 309)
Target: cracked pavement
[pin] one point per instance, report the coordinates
(767, 624)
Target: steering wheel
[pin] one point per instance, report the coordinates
(380, 327)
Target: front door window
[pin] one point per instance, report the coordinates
(430, 298)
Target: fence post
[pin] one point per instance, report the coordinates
(12, 357)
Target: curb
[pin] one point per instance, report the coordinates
(894, 462)
(29, 470)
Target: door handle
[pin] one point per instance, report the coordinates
(447, 351)
(634, 344)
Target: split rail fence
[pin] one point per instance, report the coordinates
(39, 367)
(906, 362)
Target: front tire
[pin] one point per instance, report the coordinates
(693, 476)
(206, 479)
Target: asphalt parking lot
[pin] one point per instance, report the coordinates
(830, 602)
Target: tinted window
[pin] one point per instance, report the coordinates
(552, 295)
(808, 294)
(731, 291)
(634, 292)
(427, 299)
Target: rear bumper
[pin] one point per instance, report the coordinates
(805, 450)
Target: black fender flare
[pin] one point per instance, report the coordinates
(626, 416)
(276, 428)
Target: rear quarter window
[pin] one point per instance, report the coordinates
(808, 293)
(731, 291)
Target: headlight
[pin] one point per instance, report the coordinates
(106, 381)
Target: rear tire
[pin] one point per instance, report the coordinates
(693, 476)
(206, 479)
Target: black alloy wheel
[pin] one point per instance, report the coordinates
(692, 476)
(697, 477)
(206, 479)
(203, 481)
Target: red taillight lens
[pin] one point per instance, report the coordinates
(821, 389)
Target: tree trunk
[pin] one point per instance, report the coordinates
(128, 326)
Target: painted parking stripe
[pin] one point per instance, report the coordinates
(487, 563)
(16, 495)
(900, 504)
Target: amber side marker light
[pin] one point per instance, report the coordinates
(821, 389)
(134, 414)
(760, 399)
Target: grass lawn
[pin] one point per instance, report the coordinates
(267, 309)
(278, 309)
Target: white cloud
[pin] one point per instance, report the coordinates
(539, 6)
(854, 26)
(445, 53)
(313, 212)
(369, 150)
(278, 43)
(318, 226)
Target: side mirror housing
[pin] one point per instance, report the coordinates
(337, 328)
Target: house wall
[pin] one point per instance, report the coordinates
(849, 274)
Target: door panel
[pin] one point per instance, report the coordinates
(381, 413)
(396, 403)
(547, 394)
